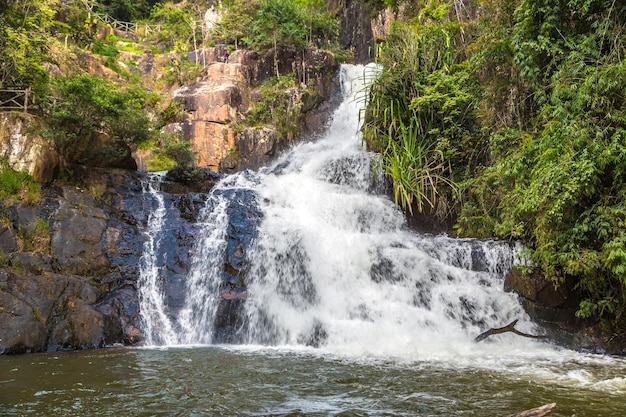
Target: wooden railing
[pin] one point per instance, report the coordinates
(139, 28)
(14, 99)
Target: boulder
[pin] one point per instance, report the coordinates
(217, 97)
(255, 147)
(47, 313)
(220, 98)
(77, 234)
(25, 149)
(212, 142)
(546, 302)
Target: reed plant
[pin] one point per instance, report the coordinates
(419, 110)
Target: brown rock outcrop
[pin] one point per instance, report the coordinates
(24, 148)
(224, 93)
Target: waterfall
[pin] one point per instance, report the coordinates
(334, 264)
(157, 326)
(330, 261)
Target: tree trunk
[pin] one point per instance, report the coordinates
(508, 328)
(544, 410)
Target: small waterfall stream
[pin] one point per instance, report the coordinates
(157, 326)
(330, 262)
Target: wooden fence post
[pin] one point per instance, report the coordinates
(26, 94)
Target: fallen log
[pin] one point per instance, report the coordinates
(508, 328)
(544, 410)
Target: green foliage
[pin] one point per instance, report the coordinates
(421, 114)
(95, 122)
(272, 23)
(278, 23)
(524, 108)
(18, 186)
(237, 21)
(181, 71)
(160, 162)
(276, 106)
(173, 113)
(129, 10)
(183, 156)
(72, 20)
(559, 183)
(24, 41)
(180, 152)
(417, 168)
(104, 49)
(179, 27)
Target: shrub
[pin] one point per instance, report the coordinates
(18, 186)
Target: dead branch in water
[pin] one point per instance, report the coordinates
(508, 328)
(544, 410)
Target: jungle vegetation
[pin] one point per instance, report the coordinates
(97, 120)
(510, 117)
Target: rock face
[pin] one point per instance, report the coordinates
(555, 308)
(542, 300)
(67, 267)
(356, 29)
(70, 266)
(25, 150)
(219, 99)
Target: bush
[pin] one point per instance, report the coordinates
(276, 106)
(96, 122)
(18, 186)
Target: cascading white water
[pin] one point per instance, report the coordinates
(192, 323)
(157, 326)
(203, 278)
(334, 264)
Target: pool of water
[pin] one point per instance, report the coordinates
(256, 381)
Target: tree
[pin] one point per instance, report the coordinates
(129, 10)
(237, 22)
(179, 30)
(24, 41)
(279, 23)
(95, 122)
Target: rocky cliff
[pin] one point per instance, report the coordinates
(216, 104)
(68, 268)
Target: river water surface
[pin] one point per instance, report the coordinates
(258, 381)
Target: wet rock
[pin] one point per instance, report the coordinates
(20, 329)
(8, 240)
(244, 218)
(31, 263)
(555, 308)
(120, 311)
(77, 236)
(61, 292)
(229, 322)
(47, 313)
(255, 147)
(356, 29)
